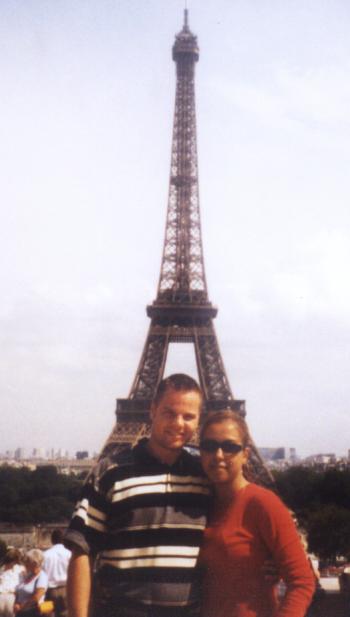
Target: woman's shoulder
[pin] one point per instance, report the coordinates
(262, 496)
(264, 506)
(43, 579)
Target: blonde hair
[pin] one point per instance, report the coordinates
(35, 555)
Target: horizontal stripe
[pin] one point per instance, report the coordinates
(91, 517)
(151, 550)
(130, 540)
(85, 505)
(152, 562)
(164, 477)
(150, 489)
(177, 515)
(189, 526)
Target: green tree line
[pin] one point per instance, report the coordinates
(321, 502)
(39, 496)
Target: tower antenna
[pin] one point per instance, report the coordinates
(186, 16)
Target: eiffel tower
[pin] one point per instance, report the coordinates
(181, 312)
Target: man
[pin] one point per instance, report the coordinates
(141, 518)
(56, 560)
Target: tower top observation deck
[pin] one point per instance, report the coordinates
(185, 45)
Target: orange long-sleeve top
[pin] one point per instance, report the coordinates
(255, 527)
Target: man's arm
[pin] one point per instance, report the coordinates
(79, 585)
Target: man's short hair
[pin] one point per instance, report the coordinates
(57, 536)
(179, 382)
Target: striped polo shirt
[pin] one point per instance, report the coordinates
(143, 521)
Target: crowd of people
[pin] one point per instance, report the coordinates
(162, 532)
(33, 583)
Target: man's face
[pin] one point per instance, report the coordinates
(174, 420)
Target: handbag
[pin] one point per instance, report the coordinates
(46, 607)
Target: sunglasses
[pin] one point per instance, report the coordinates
(227, 446)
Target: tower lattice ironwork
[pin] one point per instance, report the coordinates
(181, 312)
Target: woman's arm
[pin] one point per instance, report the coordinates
(32, 601)
(280, 534)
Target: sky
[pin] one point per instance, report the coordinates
(86, 107)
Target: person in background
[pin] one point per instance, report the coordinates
(11, 573)
(31, 590)
(56, 561)
(248, 524)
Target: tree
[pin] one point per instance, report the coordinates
(39, 496)
(298, 487)
(321, 501)
(329, 532)
(334, 487)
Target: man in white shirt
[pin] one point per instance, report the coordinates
(56, 560)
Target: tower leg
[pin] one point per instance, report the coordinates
(211, 370)
(151, 368)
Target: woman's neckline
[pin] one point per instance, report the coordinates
(222, 506)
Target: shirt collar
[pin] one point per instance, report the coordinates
(144, 456)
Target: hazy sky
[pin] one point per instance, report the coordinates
(86, 107)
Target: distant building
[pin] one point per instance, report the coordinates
(322, 459)
(19, 454)
(279, 458)
(38, 453)
(273, 454)
(81, 454)
(293, 455)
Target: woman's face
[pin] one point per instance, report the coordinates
(222, 464)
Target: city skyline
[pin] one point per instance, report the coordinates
(86, 119)
(269, 454)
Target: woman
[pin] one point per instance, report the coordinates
(31, 591)
(248, 525)
(10, 576)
